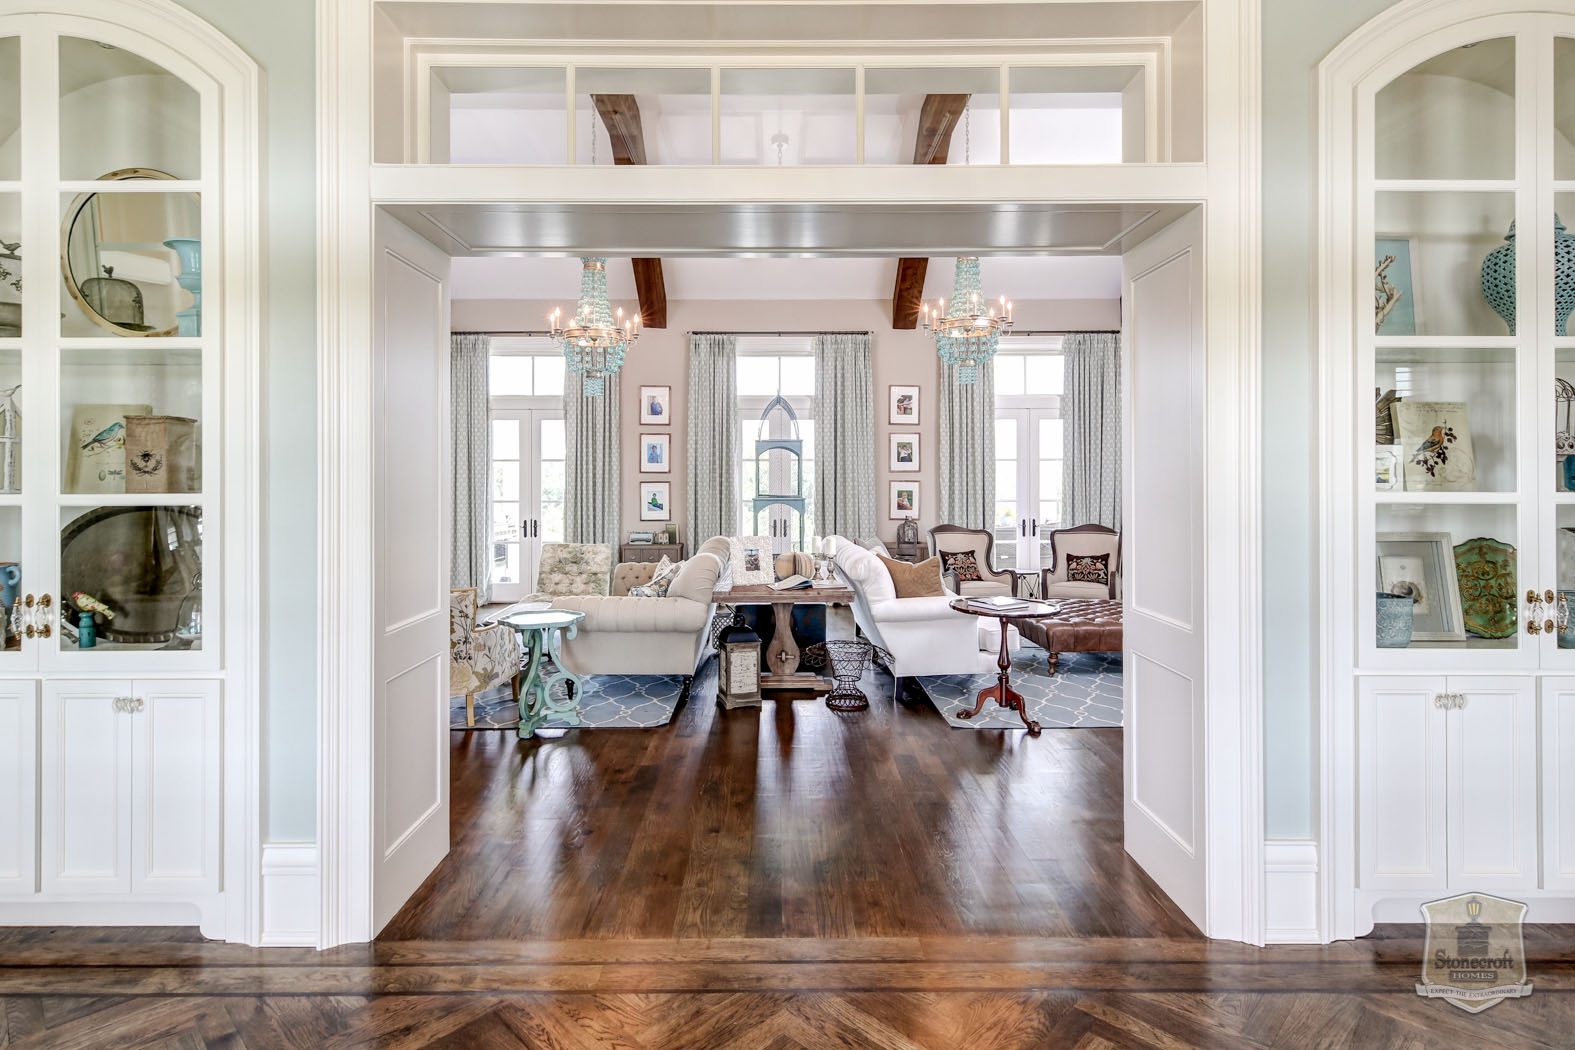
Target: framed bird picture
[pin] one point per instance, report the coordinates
(96, 447)
(1435, 439)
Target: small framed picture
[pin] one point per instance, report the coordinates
(654, 458)
(752, 561)
(1389, 467)
(904, 452)
(656, 501)
(904, 407)
(1421, 566)
(656, 406)
(904, 500)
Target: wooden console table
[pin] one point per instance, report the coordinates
(782, 652)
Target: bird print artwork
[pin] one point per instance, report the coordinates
(112, 436)
(1433, 452)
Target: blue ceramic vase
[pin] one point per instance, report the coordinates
(189, 250)
(1498, 278)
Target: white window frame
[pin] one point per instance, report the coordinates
(530, 411)
(750, 406)
(1027, 410)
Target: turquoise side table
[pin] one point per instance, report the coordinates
(539, 630)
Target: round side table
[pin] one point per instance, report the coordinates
(539, 631)
(1002, 692)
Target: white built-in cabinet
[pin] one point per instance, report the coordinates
(125, 349)
(1461, 179)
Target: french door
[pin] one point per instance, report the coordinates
(527, 495)
(1027, 478)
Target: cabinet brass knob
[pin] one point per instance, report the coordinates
(46, 600)
(1547, 596)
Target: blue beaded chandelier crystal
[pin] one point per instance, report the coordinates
(968, 332)
(595, 339)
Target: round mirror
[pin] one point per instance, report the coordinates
(123, 256)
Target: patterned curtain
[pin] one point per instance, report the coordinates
(713, 437)
(844, 424)
(1091, 410)
(967, 495)
(470, 564)
(591, 479)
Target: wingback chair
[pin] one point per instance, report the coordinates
(1084, 541)
(573, 569)
(966, 552)
(478, 657)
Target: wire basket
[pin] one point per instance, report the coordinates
(849, 659)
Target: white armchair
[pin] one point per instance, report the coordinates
(974, 548)
(478, 657)
(1097, 542)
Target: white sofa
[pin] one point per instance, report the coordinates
(623, 635)
(924, 635)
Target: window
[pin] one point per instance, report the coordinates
(525, 379)
(769, 367)
(1029, 381)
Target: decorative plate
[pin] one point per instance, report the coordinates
(1488, 585)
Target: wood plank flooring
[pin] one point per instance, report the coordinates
(788, 879)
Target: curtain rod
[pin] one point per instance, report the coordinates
(1080, 331)
(524, 334)
(779, 332)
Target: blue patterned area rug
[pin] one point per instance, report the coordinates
(611, 701)
(1084, 693)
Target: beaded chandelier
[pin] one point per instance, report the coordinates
(595, 339)
(968, 332)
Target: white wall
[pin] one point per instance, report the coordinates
(281, 37)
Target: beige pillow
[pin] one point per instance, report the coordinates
(915, 581)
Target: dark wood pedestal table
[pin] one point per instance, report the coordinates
(1002, 692)
(781, 652)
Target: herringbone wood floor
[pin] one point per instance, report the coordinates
(770, 881)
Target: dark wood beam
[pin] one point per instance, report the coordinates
(652, 290)
(938, 118)
(620, 115)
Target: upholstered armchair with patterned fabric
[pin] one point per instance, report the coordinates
(572, 569)
(1085, 562)
(965, 561)
(478, 657)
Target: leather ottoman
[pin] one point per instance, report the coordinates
(1080, 625)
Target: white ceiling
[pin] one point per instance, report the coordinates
(1017, 278)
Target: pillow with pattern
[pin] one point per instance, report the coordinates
(1088, 568)
(661, 580)
(962, 564)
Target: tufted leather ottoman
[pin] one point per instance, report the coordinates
(1080, 625)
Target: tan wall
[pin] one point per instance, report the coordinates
(661, 358)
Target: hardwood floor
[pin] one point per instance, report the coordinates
(773, 880)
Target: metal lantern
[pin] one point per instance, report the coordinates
(739, 666)
(116, 300)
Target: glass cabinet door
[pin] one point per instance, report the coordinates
(1451, 543)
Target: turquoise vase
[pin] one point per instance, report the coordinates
(189, 250)
(1498, 278)
(87, 631)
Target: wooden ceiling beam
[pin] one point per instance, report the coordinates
(938, 118)
(620, 115)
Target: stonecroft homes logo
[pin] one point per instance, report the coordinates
(1476, 954)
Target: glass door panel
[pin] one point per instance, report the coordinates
(1445, 264)
(133, 419)
(130, 578)
(1451, 117)
(132, 264)
(1564, 108)
(1449, 576)
(120, 111)
(11, 109)
(527, 496)
(10, 264)
(508, 579)
(1451, 424)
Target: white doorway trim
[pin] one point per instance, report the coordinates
(1234, 818)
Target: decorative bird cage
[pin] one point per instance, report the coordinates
(779, 416)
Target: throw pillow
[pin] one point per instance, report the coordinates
(1088, 568)
(661, 580)
(961, 564)
(915, 581)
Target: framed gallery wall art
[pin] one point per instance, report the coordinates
(904, 500)
(903, 409)
(904, 452)
(655, 453)
(656, 501)
(656, 406)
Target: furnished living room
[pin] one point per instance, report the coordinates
(815, 594)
